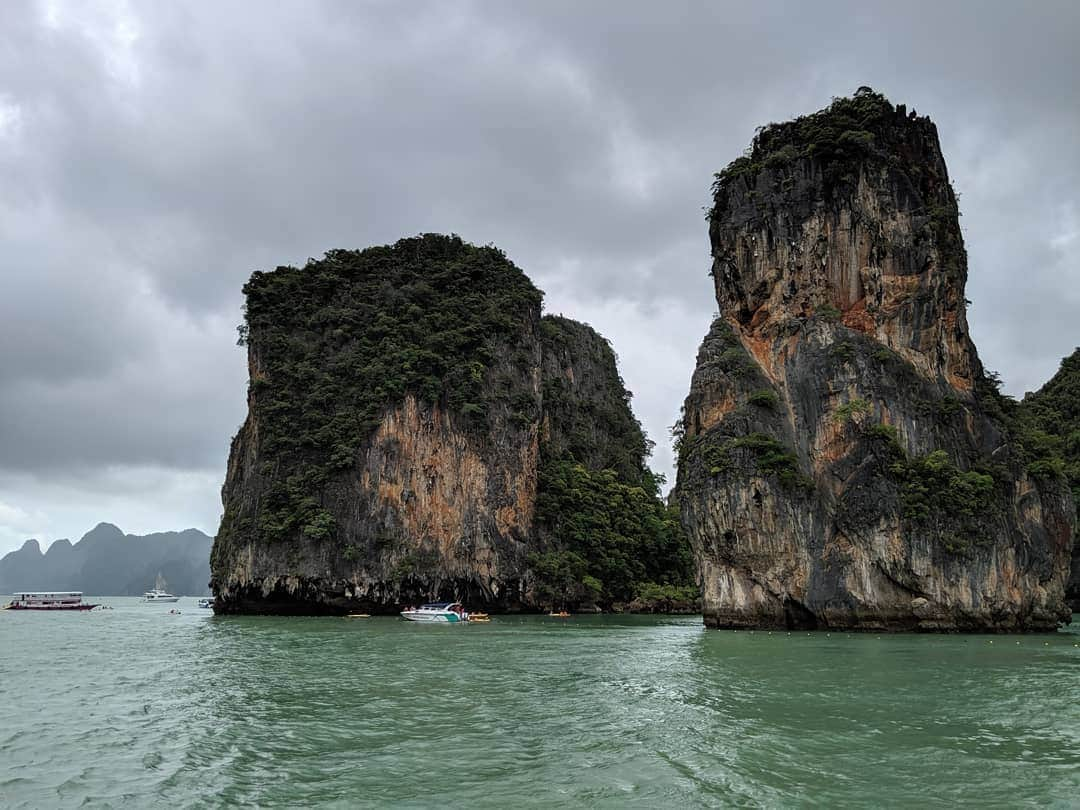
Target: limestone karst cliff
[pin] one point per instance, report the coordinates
(396, 431)
(842, 462)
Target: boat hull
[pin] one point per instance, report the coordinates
(163, 599)
(49, 607)
(431, 617)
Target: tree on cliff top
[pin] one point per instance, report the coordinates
(864, 129)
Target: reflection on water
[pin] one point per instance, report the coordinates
(134, 706)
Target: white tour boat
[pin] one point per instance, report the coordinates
(207, 602)
(48, 600)
(445, 612)
(159, 594)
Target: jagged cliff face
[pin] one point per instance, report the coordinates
(401, 400)
(586, 407)
(428, 510)
(390, 449)
(837, 467)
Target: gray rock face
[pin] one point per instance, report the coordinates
(837, 466)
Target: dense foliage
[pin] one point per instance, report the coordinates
(612, 541)
(1043, 428)
(1048, 424)
(334, 344)
(951, 504)
(847, 131)
(606, 536)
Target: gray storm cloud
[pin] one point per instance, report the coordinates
(153, 154)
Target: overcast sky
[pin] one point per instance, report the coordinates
(154, 154)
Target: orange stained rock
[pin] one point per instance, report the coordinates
(898, 289)
(857, 318)
(715, 410)
(447, 480)
(960, 382)
(832, 442)
(761, 349)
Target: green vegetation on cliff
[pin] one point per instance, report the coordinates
(848, 131)
(714, 453)
(607, 536)
(1044, 427)
(1049, 422)
(940, 498)
(850, 136)
(342, 339)
(611, 541)
(1052, 416)
(586, 404)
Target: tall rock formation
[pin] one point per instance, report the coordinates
(395, 430)
(838, 464)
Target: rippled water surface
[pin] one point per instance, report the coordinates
(136, 707)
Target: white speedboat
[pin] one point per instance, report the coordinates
(207, 602)
(444, 612)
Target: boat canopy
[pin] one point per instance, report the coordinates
(48, 594)
(437, 605)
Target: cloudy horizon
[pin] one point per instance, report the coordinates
(153, 155)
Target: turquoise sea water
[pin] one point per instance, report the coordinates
(134, 707)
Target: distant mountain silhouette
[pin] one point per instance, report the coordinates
(107, 562)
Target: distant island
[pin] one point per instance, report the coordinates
(107, 562)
